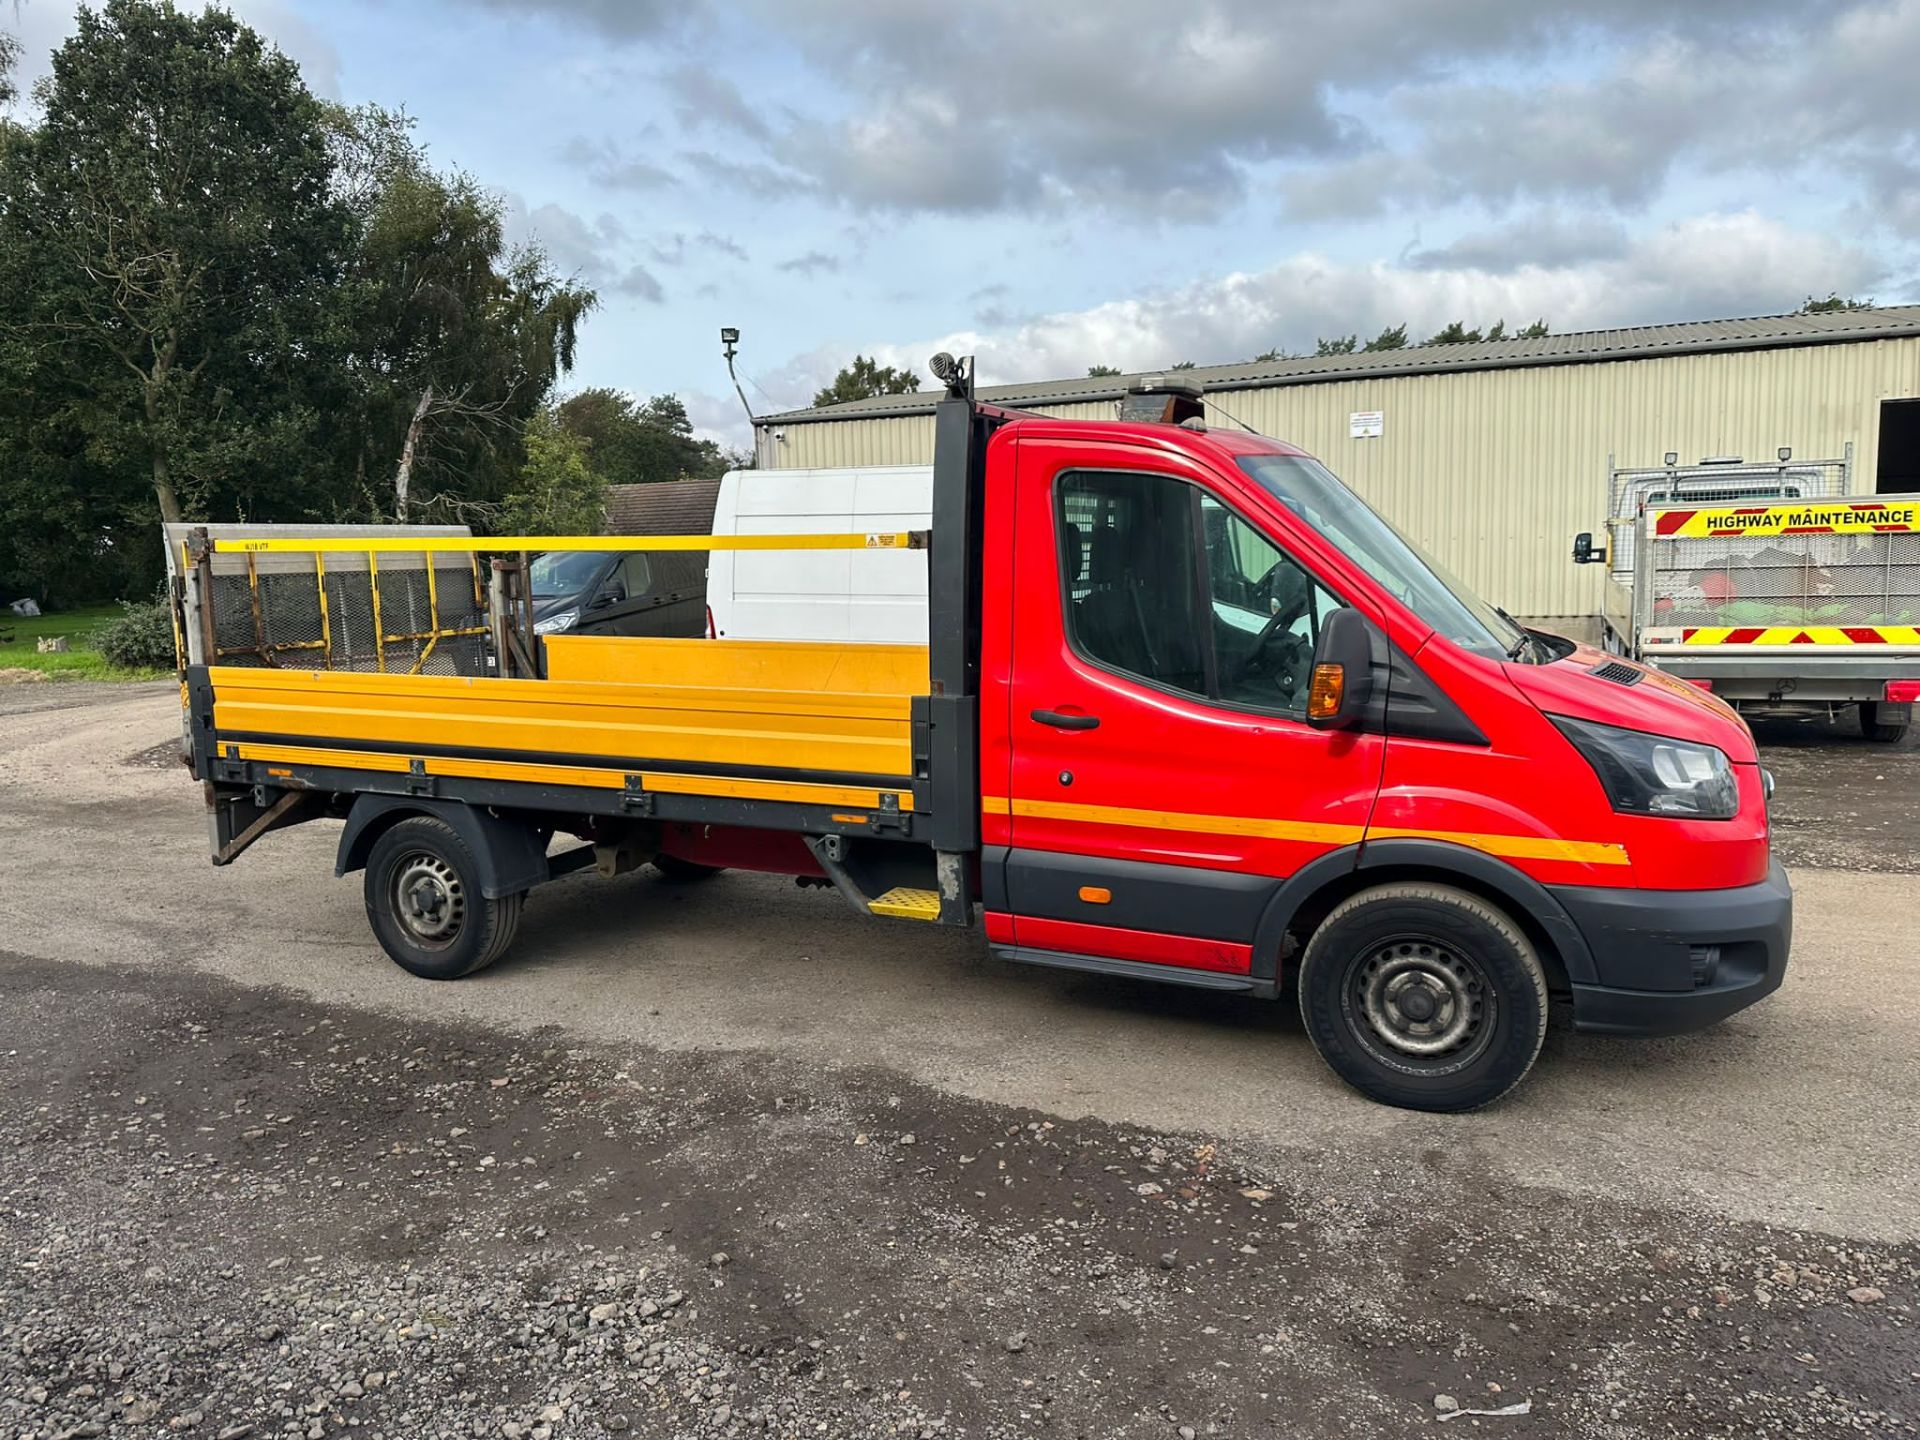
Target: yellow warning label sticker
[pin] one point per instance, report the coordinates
(1841, 517)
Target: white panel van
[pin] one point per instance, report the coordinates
(873, 596)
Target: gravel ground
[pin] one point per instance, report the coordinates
(222, 1208)
(1841, 802)
(724, 1178)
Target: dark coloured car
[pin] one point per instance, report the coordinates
(629, 592)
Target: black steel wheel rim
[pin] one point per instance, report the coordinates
(1420, 1005)
(427, 899)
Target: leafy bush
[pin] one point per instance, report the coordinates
(141, 639)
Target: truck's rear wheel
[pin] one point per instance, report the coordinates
(1873, 729)
(1423, 996)
(425, 906)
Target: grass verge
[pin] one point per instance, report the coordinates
(19, 650)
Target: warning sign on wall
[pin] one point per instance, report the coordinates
(1366, 424)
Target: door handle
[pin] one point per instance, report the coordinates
(1067, 722)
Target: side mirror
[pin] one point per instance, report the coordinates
(612, 594)
(1342, 671)
(1585, 552)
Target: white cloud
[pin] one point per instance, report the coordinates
(1830, 99)
(592, 249)
(1723, 264)
(1166, 109)
(719, 418)
(43, 26)
(290, 33)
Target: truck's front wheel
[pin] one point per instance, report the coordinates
(424, 902)
(1423, 996)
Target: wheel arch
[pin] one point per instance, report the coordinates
(1312, 893)
(510, 855)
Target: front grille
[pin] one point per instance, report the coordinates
(1616, 673)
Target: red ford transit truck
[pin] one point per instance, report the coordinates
(1188, 711)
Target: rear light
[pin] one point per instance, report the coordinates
(1903, 692)
(1702, 684)
(712, 634)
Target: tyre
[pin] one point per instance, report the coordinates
(1871, 727)
(1423, 996)
(684, 872)
(425, 906)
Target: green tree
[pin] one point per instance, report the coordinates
(1267, 357)
(1835, 301)
(9, 52)
(1453, 333)
(173, 239)
(1099, 372)
(1184, 365)
(221, 298)
(636, 444)
(1339, 345)
(864, 378)
(453, 341)
(1394, 338)
(557, 491)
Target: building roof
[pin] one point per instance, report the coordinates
(1642, 342)
(679, 507)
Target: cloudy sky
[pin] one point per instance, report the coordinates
(1053, 184)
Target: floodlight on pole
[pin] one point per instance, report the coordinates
(729, 341)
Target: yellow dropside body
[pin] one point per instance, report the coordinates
(841, 712)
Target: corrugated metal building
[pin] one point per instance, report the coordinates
(1493, 455)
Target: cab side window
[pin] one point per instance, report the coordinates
(631, 579)
(1128, 557)
(1166, 584)
(1266, 613)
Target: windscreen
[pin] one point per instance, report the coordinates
(564, 573)
(1311, 491)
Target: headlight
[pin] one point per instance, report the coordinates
(1653, 775)
(554, 624)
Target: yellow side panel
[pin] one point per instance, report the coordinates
(899, 670)
(863, 734)
(802, 793)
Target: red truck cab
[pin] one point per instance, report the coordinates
(1492, 817)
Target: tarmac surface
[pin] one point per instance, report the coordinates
(953, 1196)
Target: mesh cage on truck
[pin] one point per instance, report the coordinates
(1632, 490)
(379, 611)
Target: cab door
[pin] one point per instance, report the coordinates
(1163, 780)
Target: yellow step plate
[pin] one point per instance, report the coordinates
(907, 904)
